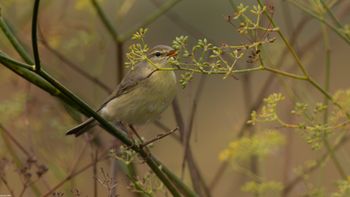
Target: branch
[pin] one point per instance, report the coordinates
(150, 19)
(74, 66)
(345, 37)
(45, 80)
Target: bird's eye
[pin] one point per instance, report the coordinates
(157, 54)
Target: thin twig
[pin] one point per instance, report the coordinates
(73, 66)
(191, 161)
(185, 130)
(74, 174)
(12, 194)
(326, 87)
(14, 140)
(288, 188)
(150, 19)
(159, 137)
(247, 97)
(94, 168)
(265, 89)
(151, 161)
(321, 19)
(186, 138)
(183, 24)
(118, 42)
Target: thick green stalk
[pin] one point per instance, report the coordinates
(105, 124)
(37, 66)
(9, 34)
(52, 86)
(34, 78)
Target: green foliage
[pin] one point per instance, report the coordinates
(247, 24)
(203, 57)
(148, 185)
(343, 98)
(343, 189)
(268, 111)
(260, 144)
(139, 35)
(267, 188)
(137, 51)
(125, 155)
(310, 117)
(346, 30)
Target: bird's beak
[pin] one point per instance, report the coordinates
(172, 53)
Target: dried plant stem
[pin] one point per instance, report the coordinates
(7, 186)
(74, 66)
(319, 162)
(247, 97)
(151, 18)
(16, 157)
(198, 184)
(186, 26)
(337, 30)
(325, 117)
(48, 83)
(75, 173)
(303, 50)
(118, 43)
(309, 79)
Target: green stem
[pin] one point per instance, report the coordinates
(290, 48)
(115, 36)
(337, 164)
(302, 67)
(105, 21)
(34, 79)
(177, 182)
(327, 95)
(7, 60)
(151, 18)
(57, 89)
(283, 73)
(330, 13)
(321, 19)
(325, 117)
(10, 36)
(34, 38)
(318, 87)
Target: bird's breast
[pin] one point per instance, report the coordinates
(146, 101)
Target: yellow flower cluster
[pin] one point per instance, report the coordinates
(259, 145)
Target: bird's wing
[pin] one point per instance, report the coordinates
(131, 80)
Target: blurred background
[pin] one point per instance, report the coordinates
(78, 50)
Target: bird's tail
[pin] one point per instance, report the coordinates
(82, 128)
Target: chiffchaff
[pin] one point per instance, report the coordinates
(144, 93)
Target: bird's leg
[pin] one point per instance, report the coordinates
(132, 128)
(126, 128)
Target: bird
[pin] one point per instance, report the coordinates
(142, 95)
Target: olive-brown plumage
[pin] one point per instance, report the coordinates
(142, 95)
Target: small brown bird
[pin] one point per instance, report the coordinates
(143, 94)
